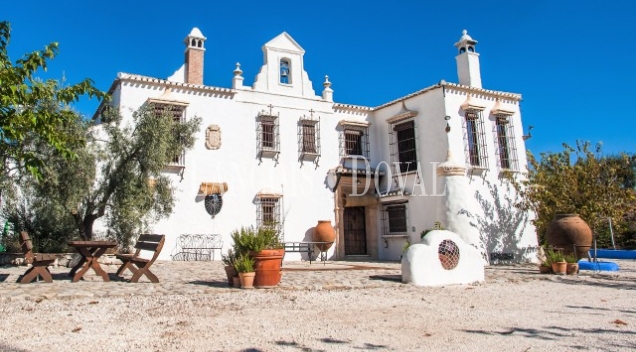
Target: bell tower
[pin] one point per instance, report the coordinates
(467, 59)
(194, 56)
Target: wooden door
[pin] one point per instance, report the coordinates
(355, 235)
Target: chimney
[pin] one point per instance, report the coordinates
(194, 56)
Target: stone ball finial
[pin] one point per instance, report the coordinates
(464, 32)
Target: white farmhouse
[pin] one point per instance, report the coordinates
(278, 152)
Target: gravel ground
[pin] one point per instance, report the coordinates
(516, 309)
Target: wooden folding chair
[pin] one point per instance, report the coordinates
(141, 266)
(39, 262)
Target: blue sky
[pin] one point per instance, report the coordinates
(571, 60)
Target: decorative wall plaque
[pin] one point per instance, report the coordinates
(213, 137)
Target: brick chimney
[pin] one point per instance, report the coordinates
(194, 56)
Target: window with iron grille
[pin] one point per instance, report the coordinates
(267, 135)
(475, 139)
(354, 141)
(506, 147)
(395, 219)
(268, 212)
(177, 113)
(403, 146)
(309, 137)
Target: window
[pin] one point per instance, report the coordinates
(354, 140)
(285, 71)
(505, 143)
(267, 135)
(268, 212)
(395, 220)
(177, 113)
(309, 138)
(403, 146)
(475, 139)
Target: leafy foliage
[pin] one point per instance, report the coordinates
(437, 226)
(117, 174)
(244, 264)
(247, 239)
(34, 110)
(581, 180)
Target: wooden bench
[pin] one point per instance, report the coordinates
(39, 262)
(141, 266)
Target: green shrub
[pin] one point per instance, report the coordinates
(244, 264)
(248, 239)
(437, 226)
(571, 258)
(554, 256)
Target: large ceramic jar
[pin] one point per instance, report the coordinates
(324, 232)
(569, 231)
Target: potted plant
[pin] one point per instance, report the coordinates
(559, 265)
(264, 246)
(244, 265)
(545, 266)
(572, 261)
(228, 260)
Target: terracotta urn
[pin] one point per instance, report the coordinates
(324, 232)
(230, 272)
(568, 231)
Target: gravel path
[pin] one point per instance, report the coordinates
(342, 306)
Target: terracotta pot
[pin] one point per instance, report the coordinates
(247, 279)
(572, 269)
(559, 268)
(568, 231)
(236, 282)
(230, 272)
(324, 232)
(545, 269)
(267, 264)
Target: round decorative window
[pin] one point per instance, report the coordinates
(448, 254)
(213, 203)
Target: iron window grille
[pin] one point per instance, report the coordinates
(475, 139)
(395, 220)
(354, 141)
(177, 113)
(403, 146)
(268, 213)
(267, 134)
(309, 138)
(505, 145)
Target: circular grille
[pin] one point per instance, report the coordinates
(448, 254)
(213, 204)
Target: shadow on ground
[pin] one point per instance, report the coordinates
(331, 341)
(218, 284)
(393, 278)
(557, 333)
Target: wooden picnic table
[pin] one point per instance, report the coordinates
(90, 252)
